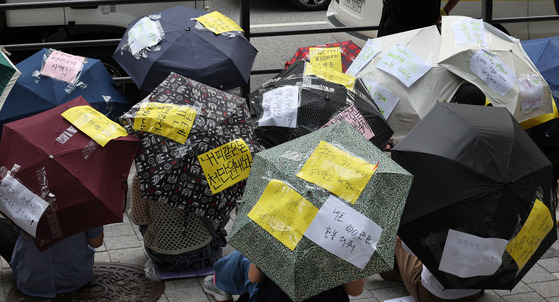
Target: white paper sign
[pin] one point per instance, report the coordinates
(280, 107)
(531, 92)
(344, 232)
(493, 71)
(367, 53)
(385, 100)
(402, 299)
(21, 205)
(466, 255)
(144, 33)
(470, 31)
(404, 65)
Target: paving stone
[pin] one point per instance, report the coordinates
(546, 289)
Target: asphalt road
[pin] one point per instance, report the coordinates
(275, 15)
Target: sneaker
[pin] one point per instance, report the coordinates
(211, 289)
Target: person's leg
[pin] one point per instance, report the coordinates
(8, 238)
(231, 274)
(410, 268)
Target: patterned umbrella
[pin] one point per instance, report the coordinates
(196, 146)
(321, 210)
(8, 76)
(293, 104)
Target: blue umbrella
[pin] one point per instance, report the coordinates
(223, 61)
(34, 92)
(544, 52)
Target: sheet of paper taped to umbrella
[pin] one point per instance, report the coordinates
(280, 107)
(331, 75)
(145, 33)
(168, 120)
(493, 71)
(94, 124)
(469, 31)
(384, 98)
(537, 226)
(21, 205)
(344, 232)
(403, 64)
(466, 255)
(218, 23)
(352, 115)
(62, 66)
(326, 57)
(226, 165)
(531, 91)
(367, 53)
(283, 213)
(337, 171)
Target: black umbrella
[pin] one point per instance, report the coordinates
(478, 177)
(181, 44)
(204, 172)
(320, 103)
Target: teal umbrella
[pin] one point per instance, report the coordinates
(8, 76)
(321, 210)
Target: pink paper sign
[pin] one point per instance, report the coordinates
(356, 119)
(63, 66)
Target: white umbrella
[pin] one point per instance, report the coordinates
(405, 76)
(497, 64)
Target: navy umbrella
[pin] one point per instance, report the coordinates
(172, 40)
(40, 87)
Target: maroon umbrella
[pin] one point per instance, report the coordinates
(84, 183)
(349, 50)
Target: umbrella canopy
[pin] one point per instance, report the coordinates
(406, 73)
(320, 211)
(481, 209)
(8, 76)
(83, 182)
(497, 64)
(543, 53)
(50, 78)
(293, 104)
(173, 40)
(341, 54)
(197, 145)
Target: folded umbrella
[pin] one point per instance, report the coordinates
(83, 181)
(320, 211)
(481, 209)
(173, 40)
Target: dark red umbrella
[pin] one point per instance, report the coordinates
(88, 182)
(349, 49)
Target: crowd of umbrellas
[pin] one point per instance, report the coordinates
(301, 160)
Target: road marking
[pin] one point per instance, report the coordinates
(289, 24)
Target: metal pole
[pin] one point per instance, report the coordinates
(487, 10)
(245, 25)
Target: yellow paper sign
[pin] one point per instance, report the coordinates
(94, 124)
(218, 23)
(226, 165)
(326, 57)
(337, 171)
(331, 75)
(169, 120)
(283, 213)
(534, 230)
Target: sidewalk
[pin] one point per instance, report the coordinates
(123, 243)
